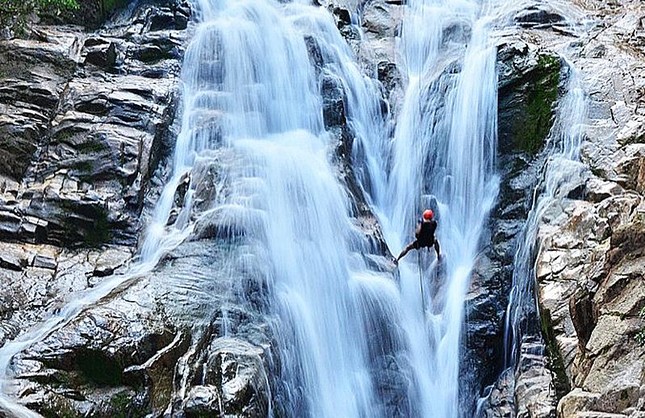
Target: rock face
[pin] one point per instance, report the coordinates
(524, 69)
(85, 118)
(590, 238)
(154, 348)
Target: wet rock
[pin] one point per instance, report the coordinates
(202, 400)
(109, 261)
(236, 367)
(500, 401)
(534, 392)
(537, 15)
(83, 130)
(94, 148)
(13, 259)
(102, 55)
(597, 190)
(46, 277)
(333, 102)
(97, 127)
(484, 350)
(485, 307)
(128, 352)
(100, 350)
(162, 19)
(528, 87)
(33, 77)
(42, 261)
(381, 24)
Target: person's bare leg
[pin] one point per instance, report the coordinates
(404, 252)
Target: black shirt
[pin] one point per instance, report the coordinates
(425, 237)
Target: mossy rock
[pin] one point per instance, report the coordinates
(58, 406)
(527, 99)
(554, 356)
(531, 130)
(90, 13)
(125, 404)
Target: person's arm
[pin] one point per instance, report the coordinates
(418, 230)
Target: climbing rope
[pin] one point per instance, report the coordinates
(423, 299)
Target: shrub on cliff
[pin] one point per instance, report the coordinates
(15, 14)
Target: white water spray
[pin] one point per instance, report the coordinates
(559, 174)
(250, 89)
(443, 156)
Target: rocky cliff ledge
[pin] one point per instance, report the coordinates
(85, 117)
(591, 260)
(585, 358)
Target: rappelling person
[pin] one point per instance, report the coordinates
(424, 236)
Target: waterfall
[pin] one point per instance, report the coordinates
(443, 157)
(351, 341)
(561, 167)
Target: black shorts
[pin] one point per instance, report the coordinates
(426, 244)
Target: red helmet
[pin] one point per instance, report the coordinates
(428, 214)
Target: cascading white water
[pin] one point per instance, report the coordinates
(250, 89)
(248, 86)
(562, 166)
(443, 156)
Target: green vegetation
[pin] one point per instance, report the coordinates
(640, 336)
(120, 403)
(531, 130)
(15, 14)
(98, 368)
(125, 404)
(555, 360)
(108, 5)
(59, 407)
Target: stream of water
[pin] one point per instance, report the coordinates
(353, 341)
(443, 157)
(561, 173)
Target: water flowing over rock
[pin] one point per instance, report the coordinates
(84, 122)
(241, 307)
(592, 353)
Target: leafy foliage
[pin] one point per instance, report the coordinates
(640, 336)
(15, 14)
